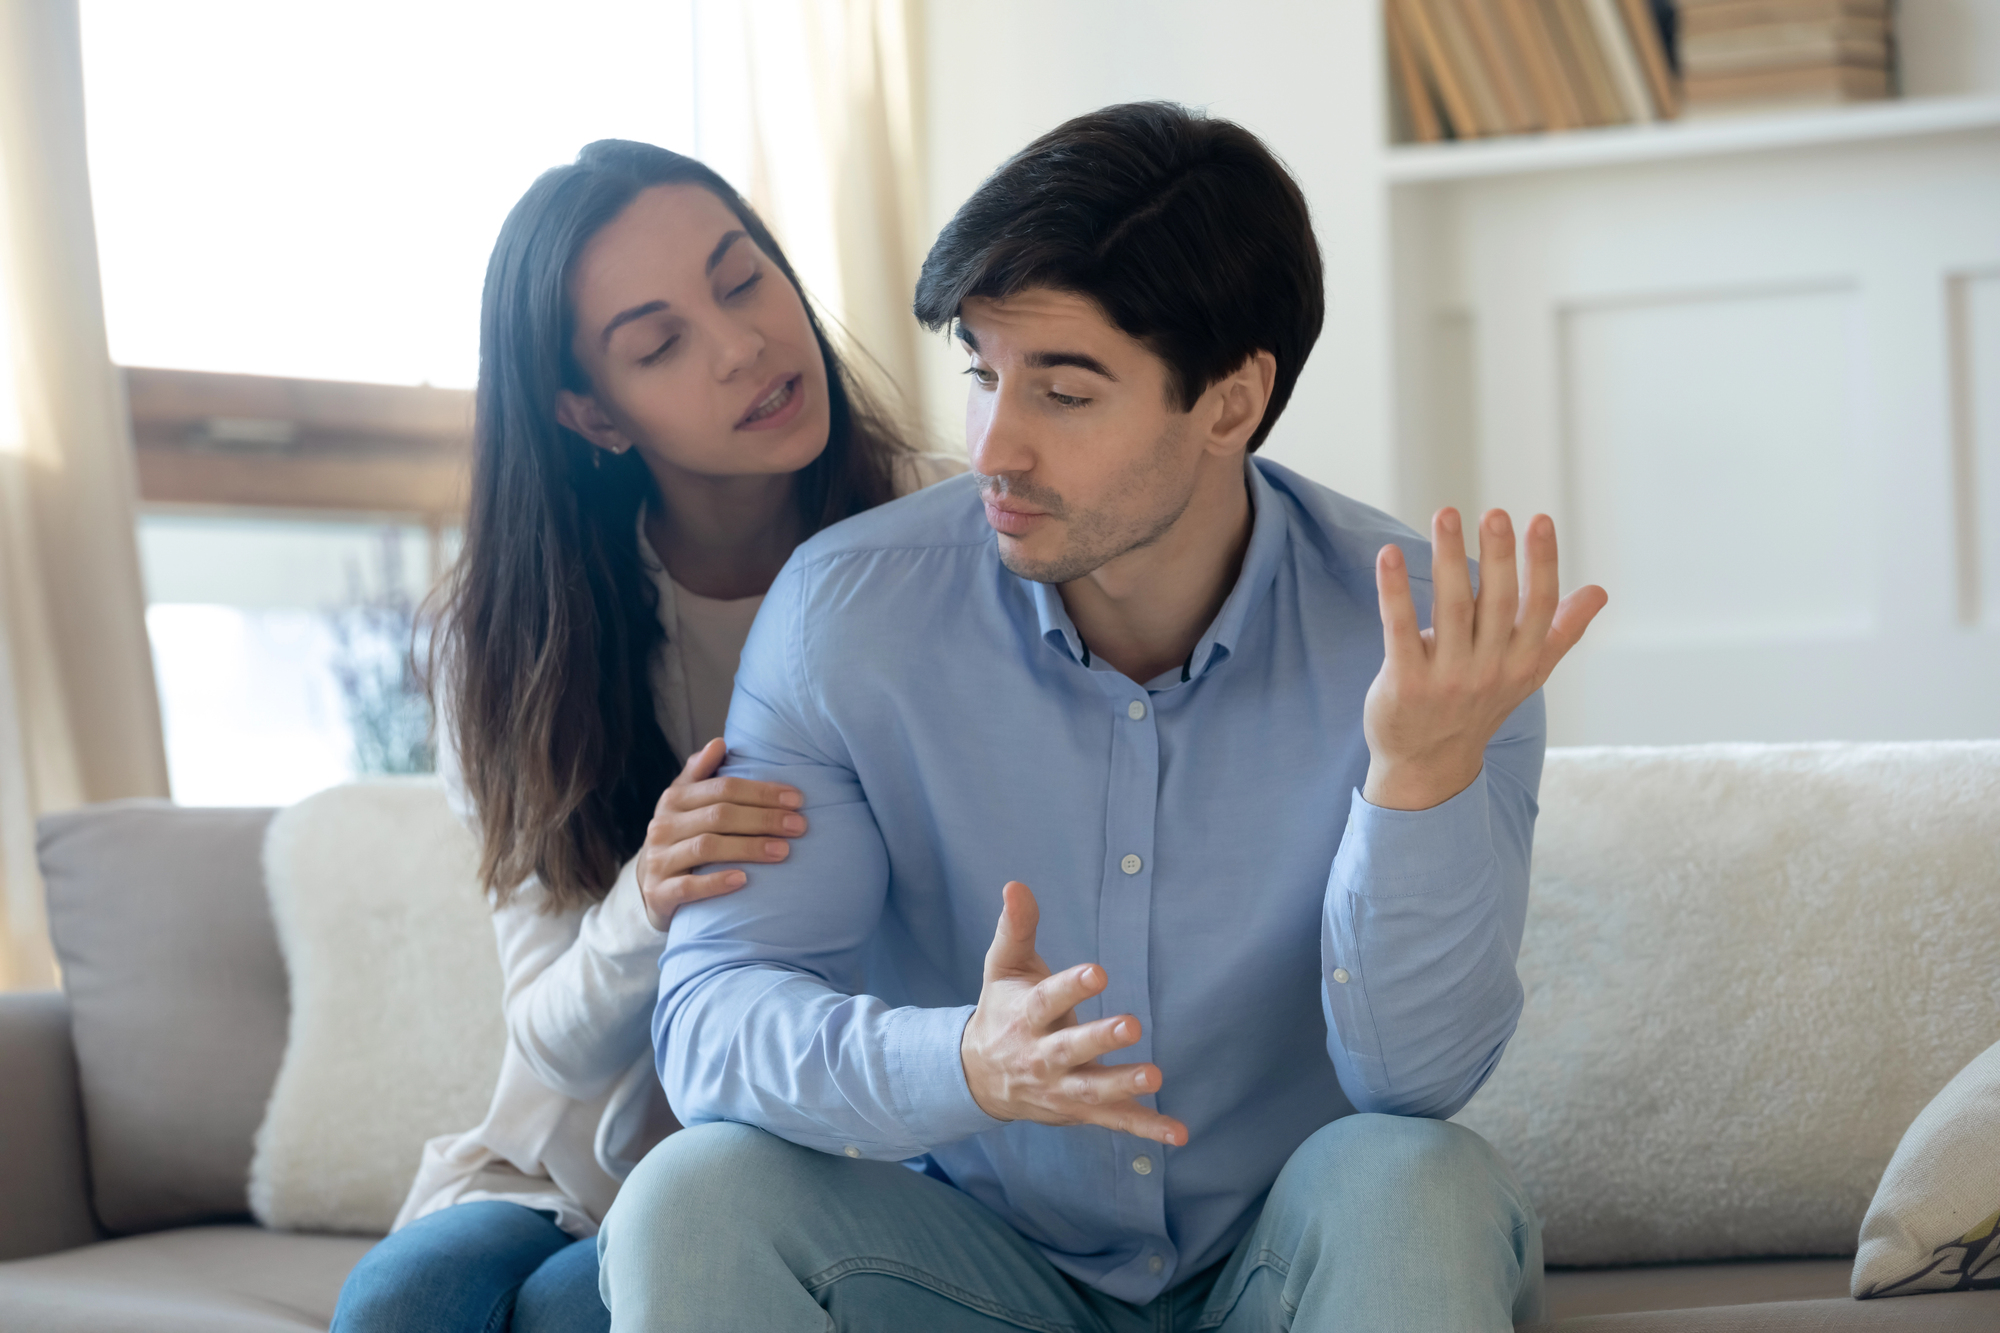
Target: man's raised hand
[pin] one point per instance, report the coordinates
(1443, 692)
(1027, 1058)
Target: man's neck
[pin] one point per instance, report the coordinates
(1144, 612)
(723, 537)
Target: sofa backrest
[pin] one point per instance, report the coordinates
(1747, 969)
(178, 1001)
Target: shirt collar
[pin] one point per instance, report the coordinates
(1260, 567)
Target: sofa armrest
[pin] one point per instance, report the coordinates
(44, 1179)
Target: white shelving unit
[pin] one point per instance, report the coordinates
(1677, 140)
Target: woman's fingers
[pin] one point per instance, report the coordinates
(669, 895)
(710, 849)
(738, 791)
(742, 820)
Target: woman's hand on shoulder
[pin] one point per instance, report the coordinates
(702, 820)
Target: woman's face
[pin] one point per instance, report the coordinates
(695, 344)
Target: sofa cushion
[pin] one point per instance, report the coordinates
(1933, 1224)
(1747, 969)
(1959, 1312)
(177, 1001)
(221, 1279)
(397, 1029)
(1758, 1296)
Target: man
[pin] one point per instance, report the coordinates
(1277, 833)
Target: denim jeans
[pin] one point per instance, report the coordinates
(1377, 1224)
(475, 1268)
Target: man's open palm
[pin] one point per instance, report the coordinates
(1444, 692)
(1027, 1058)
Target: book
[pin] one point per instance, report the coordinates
(1787, 39)
(1721, 14)
(1425, 125)
(1429, 48)
(1523, 19)
(1585, 63)
(1824, 49)
(1465, 63)
(1503, 69)
(1615, 41)
(1652, 49)
(1823, 85)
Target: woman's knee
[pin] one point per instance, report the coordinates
(451, 1268)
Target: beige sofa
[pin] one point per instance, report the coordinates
(128, 1106)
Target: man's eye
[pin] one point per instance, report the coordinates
(1067, 400)
(980, 374)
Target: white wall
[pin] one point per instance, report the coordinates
(1002, 74)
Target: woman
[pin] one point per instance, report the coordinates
(660, 420)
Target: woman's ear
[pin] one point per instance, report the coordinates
(580, 412)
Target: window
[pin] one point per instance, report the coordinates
(294, 207)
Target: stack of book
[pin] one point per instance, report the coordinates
(1467, 68)
(1740, 54)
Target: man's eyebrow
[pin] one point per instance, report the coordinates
(729, 238)
(1082, 361)
(624, 317)
(965, 335)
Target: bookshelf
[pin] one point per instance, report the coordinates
(1415, 164)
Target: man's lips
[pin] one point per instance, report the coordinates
(1012, 520)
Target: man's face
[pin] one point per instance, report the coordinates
(1082, 452)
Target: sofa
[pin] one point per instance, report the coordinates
(1747, 968)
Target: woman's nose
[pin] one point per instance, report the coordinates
(738, 346)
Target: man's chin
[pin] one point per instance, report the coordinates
(1062, 568)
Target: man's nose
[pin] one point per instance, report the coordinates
(997, 439)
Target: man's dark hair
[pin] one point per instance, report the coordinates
(1188, 233)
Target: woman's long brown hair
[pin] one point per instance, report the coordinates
(550, 621)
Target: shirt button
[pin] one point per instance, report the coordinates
(851, 1150)
(1143, 1164)
(1130, 865)
(1135, 710)
(1155, 1264)
(1340, 975)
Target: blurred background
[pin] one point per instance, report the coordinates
(1716, 283)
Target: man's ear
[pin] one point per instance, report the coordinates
(580, 412)
(1238, 402)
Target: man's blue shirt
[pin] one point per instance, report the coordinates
(1292, 952)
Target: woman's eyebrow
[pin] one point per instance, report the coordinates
(624, 317)
(722, 248)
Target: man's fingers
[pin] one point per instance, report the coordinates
(1402, 644)
(1134, 1119)
(1107, 1085)
(1538, 608)
(1051, 1001)
(1572, 618)
(1451, 586)
(1499, 585)
(1013, 952)
(1086, 1042)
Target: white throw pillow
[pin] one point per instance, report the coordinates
(1935, 1222)
(396, 1027)
(1747, 969)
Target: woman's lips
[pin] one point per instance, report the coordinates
(777, 405)
(1012, 522)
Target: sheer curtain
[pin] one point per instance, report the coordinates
(79, 718)
(812, 108)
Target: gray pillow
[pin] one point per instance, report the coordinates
(178, 997)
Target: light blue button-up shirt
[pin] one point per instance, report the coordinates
(1292, 952)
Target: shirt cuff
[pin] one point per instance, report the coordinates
(1387, 853)
(927, 1087)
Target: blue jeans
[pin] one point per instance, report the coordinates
(477, 1268)
(1377, 1224)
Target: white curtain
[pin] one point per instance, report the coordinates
(79, 717)
(812, 109)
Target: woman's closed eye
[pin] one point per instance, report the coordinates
(657, 354)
